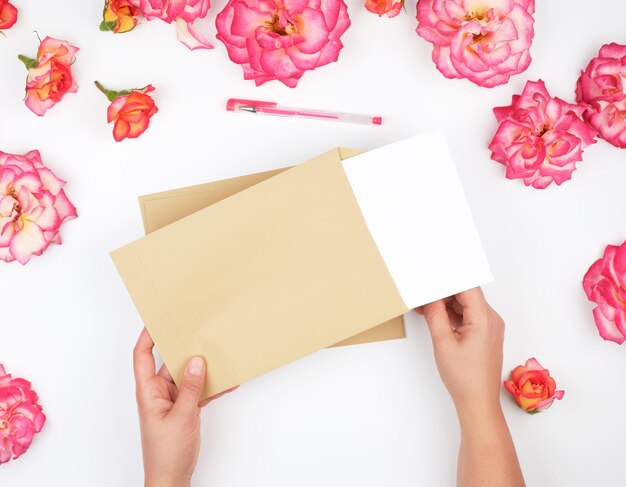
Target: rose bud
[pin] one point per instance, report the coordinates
(532, 387)
(119, 16)
(50, 75)
(130, 111)
(390, 8)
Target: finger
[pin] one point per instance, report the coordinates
(475, 307)
(456, 307)
(438, 321)
(472, 298)
(191, 387)
(165, 373)
(420, 310)
(143, 360)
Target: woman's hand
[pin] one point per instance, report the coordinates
(169, 417)
(467, 339)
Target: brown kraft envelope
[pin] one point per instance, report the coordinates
(161, 209)
(262, 278)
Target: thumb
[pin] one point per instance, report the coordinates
(438, 321)
(190, 390)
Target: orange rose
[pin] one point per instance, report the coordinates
(391, 8)
(130, 111)
(8, 15)
(50, 75)
(119, 16)
(532, 387)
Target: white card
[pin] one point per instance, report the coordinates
(416, 211)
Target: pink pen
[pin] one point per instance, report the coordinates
(271, 108)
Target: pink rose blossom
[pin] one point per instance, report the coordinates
(282, 39)
(605, 284)
(20, 416)
(485, 41)
(183, 12)
(33, 206)
(540, 138)
(601, 88)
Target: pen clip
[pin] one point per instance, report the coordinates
(234, 104)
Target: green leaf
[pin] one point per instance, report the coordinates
(28, 62)
(107, 26)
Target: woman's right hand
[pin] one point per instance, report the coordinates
(467, 337)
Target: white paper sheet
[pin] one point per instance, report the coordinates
(416, 211)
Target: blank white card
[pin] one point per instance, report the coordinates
(415, 209)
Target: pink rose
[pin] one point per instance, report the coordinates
(485, 41)
(540, 138)
(33, 206)
(183, 12)
(281, 39)
(605, 284)
(601, 88)
(20, 416)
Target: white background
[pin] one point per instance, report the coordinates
(366, 415)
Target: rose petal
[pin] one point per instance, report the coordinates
(190, 37)
(28, 241)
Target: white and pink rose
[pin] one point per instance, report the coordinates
(33, 206)
(485, 41)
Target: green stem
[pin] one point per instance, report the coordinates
(28, 62)
(110, 94)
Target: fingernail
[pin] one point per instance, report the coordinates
(195, 366)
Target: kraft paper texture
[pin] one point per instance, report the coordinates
(161, 209)
(281, 269)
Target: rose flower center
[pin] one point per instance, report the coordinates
(16, 207)
(537, 387)
(474, 15)
(282, 30)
